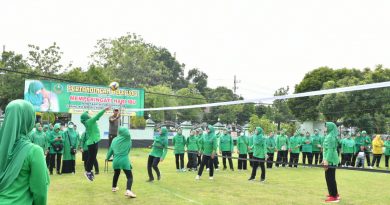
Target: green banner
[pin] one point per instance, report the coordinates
(50, 96)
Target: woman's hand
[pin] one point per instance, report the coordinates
(326, 164)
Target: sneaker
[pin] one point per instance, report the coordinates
(115, 189)
(251, 179)
(183, 170)
(338, 196)
(88, 175)
(197, 177)
(208, 169)
(332, 200)
(93, 176)
(371, 167)
(130, 194)
(262, 181)
(211, 178)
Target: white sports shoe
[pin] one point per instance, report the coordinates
(197, 177)
(211, 178)
(130, 194)
(208, 169)
(184, 170)
(115, 189)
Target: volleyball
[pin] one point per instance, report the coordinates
(114, 86)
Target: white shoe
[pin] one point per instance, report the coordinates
(130, 194)
(197, 177)
(184, 170)
(216, 169)
(262, 181)
(370, 167)
(211, 178)
(208, 169)
(115, 189)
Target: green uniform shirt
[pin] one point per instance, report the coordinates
(330, 145)
(74, 143)
(348, 146)
(92, 128)
(52, 140)
(307, 145)
(359, 141)
(387, 148)
(160, 145)
(120, 148)
(83, 142)
(367, 143)
(31, 185)
(316, 143)
(39, 138)
(282, 141)
(192, 143)
(271, 144)
(226, 143)
(209, 143)
(259, 146)
(242, 144)
(250, 143)
(295, 144)
(179, 142)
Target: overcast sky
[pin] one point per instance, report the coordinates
(267, 44)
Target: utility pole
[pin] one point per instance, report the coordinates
(235, 87)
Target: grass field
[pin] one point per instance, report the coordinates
(283, 186)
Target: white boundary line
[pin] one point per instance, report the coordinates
(260, 100)
(181, 197)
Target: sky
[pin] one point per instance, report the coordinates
(266, 44)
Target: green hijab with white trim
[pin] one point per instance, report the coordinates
(18, 122)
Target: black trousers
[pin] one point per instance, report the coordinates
(192, 160)
(110, 138)
(129, 176)
(316, 156)
(48, 160)
(309, 156)
(242, 161)
(153, 163)
(206, 160)
(53, 160)
(368, 158)
(353, 163)
(68, 166)
(256, 165)
(387, 160)
(250, 157)
(294, 157)
(346, 159)
(215, 163)
(330, 177)
(85, 159)
(376, 158)
(179, 157)
(228, 155)
(270, 159)
(199, 159)
(92, 153)
(281, 158)
(321, 157)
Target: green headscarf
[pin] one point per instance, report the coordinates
(18, 122)
(84, 117)
(32, 96)
(123, 142)
(36, 128)
(332, 129)
(259, 131)
(71, 132)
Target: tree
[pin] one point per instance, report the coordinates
(198, 78)
(152, 100)
(279, 112)
(195, 114)
(247, 111)
(46, 61)
(263, 122)
(12, 84)
(136, 63)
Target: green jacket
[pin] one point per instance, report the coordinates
(208, 143)
(192, 143)
(307, 147)
(91, 126)
(250, 143)
(160, 144)
(179, 143)
(226, 143)
(348, 146)
(120, 149)
(387, 148)
(39, 138)
(83, 142)
(71, 139)
(259, 146)
(295, 143)
(271, 144)
(53, 142)
(242, 144)
(367, 143)
(359, 141)
(330, 144)
(282, 140)
(316, 143)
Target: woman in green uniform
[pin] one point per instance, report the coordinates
(316, 146)
(23, 173)
(47, 131)
(120, 149)
(347, 150)
(242, 150)
(93, 138)
(208, 146)
(271, 146)
(84, 149)
(259, 148)
(294, 149)
(56, 148)
(71, 141)
(226, 147)
(331, 160)
(282, 147)
(250, 152)
(179, 143)
(39, 137)
(387, 152)
(159, 151)
(199, 136)
(307, 149)
(192, 151)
